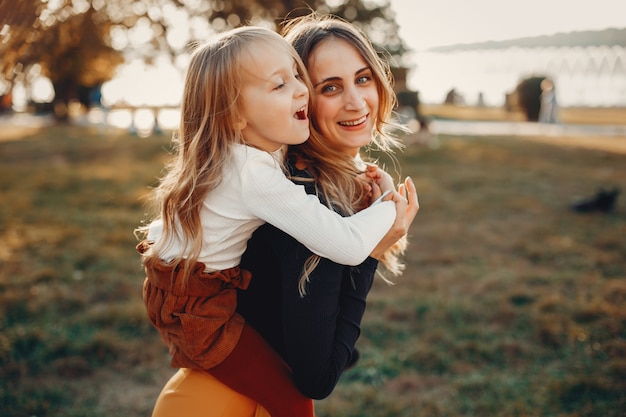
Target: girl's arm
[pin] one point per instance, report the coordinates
(269, 195)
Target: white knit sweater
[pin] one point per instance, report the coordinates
(255, 190)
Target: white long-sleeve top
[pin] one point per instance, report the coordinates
(255, 190)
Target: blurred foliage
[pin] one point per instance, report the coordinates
(80, 43)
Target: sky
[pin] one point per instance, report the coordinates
(429, 23)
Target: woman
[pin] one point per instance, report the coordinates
(316, 333)
(314, 325)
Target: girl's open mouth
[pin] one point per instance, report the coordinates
(301, 114)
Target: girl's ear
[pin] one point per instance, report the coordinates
(238, 116)
(241, 124)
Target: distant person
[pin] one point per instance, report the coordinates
(454, 98)
(480, 102)
(548, 110)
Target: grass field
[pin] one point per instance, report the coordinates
(512, 304)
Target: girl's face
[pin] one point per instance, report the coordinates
(273, 99)
(345, 95)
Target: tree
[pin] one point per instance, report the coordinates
(69, 47)
(79, 43)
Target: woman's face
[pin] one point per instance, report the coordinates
(344, 93)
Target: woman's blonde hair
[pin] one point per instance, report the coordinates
(210, 110)
(334, 171)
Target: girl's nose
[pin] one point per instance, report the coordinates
(301, 89)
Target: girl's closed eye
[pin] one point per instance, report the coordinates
(280, 85)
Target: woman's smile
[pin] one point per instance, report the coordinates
(352, 123)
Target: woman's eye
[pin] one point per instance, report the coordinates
(363, 79)
(279, 86)
(329, 89)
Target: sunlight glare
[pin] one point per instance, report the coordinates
(54, 5)
(178, 33)
(139, 8)
(5, 87)
(97, 116)
(154, 13)
(20, 100)
(120, 118)
(200, 27)
(141, 33)
(80, 6)
(138, 85)
(119, 37)
(42, 90)
(168, 119)
(178, 37)
(144, 122)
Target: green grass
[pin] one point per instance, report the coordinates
(511, 305)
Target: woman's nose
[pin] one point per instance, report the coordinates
(354, 100)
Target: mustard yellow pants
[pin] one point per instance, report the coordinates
(193, 393)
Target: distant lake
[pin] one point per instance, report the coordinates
(590, 76)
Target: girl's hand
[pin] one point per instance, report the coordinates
(407, 206)
(371, 190)
(380, 177)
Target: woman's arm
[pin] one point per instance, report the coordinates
(315, 334)
(321, 329)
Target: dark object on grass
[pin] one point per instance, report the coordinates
(603, 201)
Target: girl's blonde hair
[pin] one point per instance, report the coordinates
(334, 171)
(210, 109)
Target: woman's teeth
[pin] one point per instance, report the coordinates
(354, 122)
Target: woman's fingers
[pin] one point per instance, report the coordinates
(411, 196)
(407, 205)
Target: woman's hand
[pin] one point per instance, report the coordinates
(407, 206)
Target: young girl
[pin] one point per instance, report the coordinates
(246, 96)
